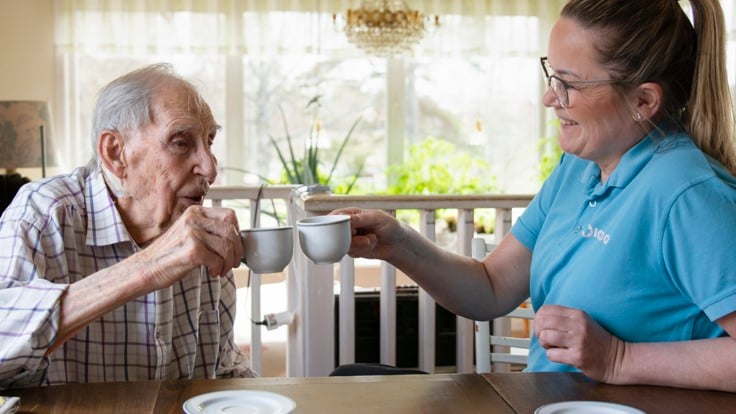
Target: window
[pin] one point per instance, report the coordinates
(474, 82)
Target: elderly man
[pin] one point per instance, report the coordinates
(116, 272)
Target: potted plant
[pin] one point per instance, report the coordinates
(307, 168)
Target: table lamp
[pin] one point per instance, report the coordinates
(25, 131)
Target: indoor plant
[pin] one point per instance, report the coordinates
(307, 169)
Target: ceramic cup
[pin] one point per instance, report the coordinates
(325, 239)
(267, 249)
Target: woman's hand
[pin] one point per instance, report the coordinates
(572, 337)
(375, 233)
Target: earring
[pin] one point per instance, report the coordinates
(638, 117)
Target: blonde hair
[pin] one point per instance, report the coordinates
(654, 41)
(709, 118)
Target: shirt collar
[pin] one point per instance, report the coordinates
(633, 161)
(104, 224)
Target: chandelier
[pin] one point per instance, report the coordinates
(384, 27)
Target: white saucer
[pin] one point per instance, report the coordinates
(239, 401)
(586, 407)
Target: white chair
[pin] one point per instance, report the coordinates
(507, 350)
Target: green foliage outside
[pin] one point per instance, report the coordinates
(550, 154)
(435, 166)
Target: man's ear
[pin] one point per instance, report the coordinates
(110, 147)
(648, 101)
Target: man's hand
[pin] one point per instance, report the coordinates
(202, 236)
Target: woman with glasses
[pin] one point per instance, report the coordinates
(627, 251)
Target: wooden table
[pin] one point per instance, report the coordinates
(410, 394)
(441, 393)
(525, 392)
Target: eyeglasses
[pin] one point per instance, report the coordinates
(560, 87)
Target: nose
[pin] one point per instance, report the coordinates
(206, 164)
(549, 99)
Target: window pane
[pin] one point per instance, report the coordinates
(487, 104)
(320, 99)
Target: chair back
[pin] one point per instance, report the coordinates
(502, 345)
(9, 186)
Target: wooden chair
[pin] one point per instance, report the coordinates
(499, 350)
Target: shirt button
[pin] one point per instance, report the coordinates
(577, 228)
(158, 334)
(592, 203)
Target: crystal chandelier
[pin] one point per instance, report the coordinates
(384, 27)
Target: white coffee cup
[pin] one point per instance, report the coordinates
(325, 239)
(267, 249)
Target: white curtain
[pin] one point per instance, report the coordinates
(247, 26)
(212, 41)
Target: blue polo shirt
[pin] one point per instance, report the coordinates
(650, 254)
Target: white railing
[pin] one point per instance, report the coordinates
(310, 287)
(253, 195)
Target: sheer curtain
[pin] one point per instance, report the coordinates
(473, 81)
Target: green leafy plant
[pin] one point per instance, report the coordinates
(435, 166)
(308, 169)
(550, 154)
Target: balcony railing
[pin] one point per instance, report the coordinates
(311, 290)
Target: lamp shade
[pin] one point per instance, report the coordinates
(25, 132)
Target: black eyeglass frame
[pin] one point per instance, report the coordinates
(560, 87)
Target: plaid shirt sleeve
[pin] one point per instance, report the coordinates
(29, 305)
(60, 231)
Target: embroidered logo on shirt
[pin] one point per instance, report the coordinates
(596, 233)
